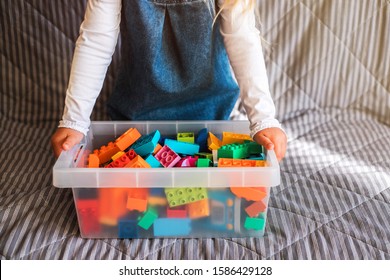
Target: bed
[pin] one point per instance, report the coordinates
(328, 68)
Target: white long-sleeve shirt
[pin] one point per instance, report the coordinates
(96, 45)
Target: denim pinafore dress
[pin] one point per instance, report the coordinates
(174, 64)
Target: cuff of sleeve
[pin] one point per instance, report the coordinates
(263, 125)
(73, 125)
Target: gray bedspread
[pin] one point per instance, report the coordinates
(328, 65)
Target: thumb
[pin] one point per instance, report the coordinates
(264, 141)
(70, 141)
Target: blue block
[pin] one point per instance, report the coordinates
(182, 147)
(146, 143)
(127, 229)
(201, 140)
(153, 162)
(159, 192)
(172, 227)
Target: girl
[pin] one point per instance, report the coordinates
(175, 65)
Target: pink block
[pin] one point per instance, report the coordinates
(167, 157)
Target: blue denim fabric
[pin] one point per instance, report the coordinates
(174, 64)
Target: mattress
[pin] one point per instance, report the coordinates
(328, 74)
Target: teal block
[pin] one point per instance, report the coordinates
(254, 223)
(172, 227)
(152, 161)
(182, 147)
(146, 143)
(148, 219)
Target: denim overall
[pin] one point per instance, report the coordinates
(174, 64)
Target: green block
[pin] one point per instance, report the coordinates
(203, 162)
(254, 223)
(254, 148)
(205, 155)
(187, 137)
(148, 219)
(181, 196)
(235, 151)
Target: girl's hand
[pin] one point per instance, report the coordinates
(272, 139)
(64, 139)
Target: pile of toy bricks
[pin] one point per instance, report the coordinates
(153, 212)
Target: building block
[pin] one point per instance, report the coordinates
(120, 162)
(148, 218)
(137, 204)
(167, 157)
(172, 227)
(205, 155)
(233, 151)
(254, 148)
(187, 137)
(127, 139)
(230, 138)
(138, 192)
(187, 161)
(254, 223)
(157, 201)
(201, 139)
(112, 205)
(117, 155)
(152, 161)
(182, 147)
(127, 229)
(181, 196)
(228, 162)
(146, 144)
(203, 162)
(213, 142)
(93, 161)
(177, 212)
(131, 154)
(255, 208)
(137, 199)
(157, 192)
(157, 148)
(88, 214)
(249, 193)
(137, 162)
(106, 152)
(198, 209)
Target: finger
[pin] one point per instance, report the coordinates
(265, 142)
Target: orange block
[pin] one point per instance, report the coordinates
(157, 148)
(198, 209)
(213, 142)
(249, 193)
(137, 204)
(138, 162)
(230, 138)
(112, 205)
(255, 209)
(106, 152)
(93, 161)
(128, 138)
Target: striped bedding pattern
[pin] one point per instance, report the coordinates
(328, 68)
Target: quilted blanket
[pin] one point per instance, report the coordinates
(328, 68)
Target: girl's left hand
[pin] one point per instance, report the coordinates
(273, 138)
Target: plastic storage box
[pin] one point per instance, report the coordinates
(137, 202)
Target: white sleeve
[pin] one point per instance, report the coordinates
(243, 46)
(93, 54)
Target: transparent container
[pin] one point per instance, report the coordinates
(145, 202)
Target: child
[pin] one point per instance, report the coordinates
(175, 58)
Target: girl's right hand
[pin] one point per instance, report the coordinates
(64, 139)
